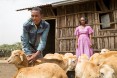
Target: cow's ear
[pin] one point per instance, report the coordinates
(21, 56)
(100, 64)
(79, 59)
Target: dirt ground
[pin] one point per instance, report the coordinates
(7, 70)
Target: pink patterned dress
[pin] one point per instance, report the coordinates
(84, 41)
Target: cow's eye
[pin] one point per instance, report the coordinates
(73, 61)
(102, 74)
(113, 73)
(16, 55)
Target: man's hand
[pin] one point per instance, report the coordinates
(34, 57)
(28, 56)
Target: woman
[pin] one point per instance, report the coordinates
(83, 38)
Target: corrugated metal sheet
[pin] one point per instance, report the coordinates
(60, 3)
(67, 2)
(29, 8)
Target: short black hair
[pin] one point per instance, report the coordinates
(37, 9)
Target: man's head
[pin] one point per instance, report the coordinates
(36, 13)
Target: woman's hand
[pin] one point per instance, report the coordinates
(76, 42)
(76, 45)
(91, 45)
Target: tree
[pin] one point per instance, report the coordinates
(6, 49)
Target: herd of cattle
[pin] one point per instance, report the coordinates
(99, 65)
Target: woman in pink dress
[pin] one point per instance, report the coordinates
(83, 38)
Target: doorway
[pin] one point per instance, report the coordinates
(50, 44)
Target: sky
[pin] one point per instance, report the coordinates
(11, 21)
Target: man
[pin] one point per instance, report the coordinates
(35, 32)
